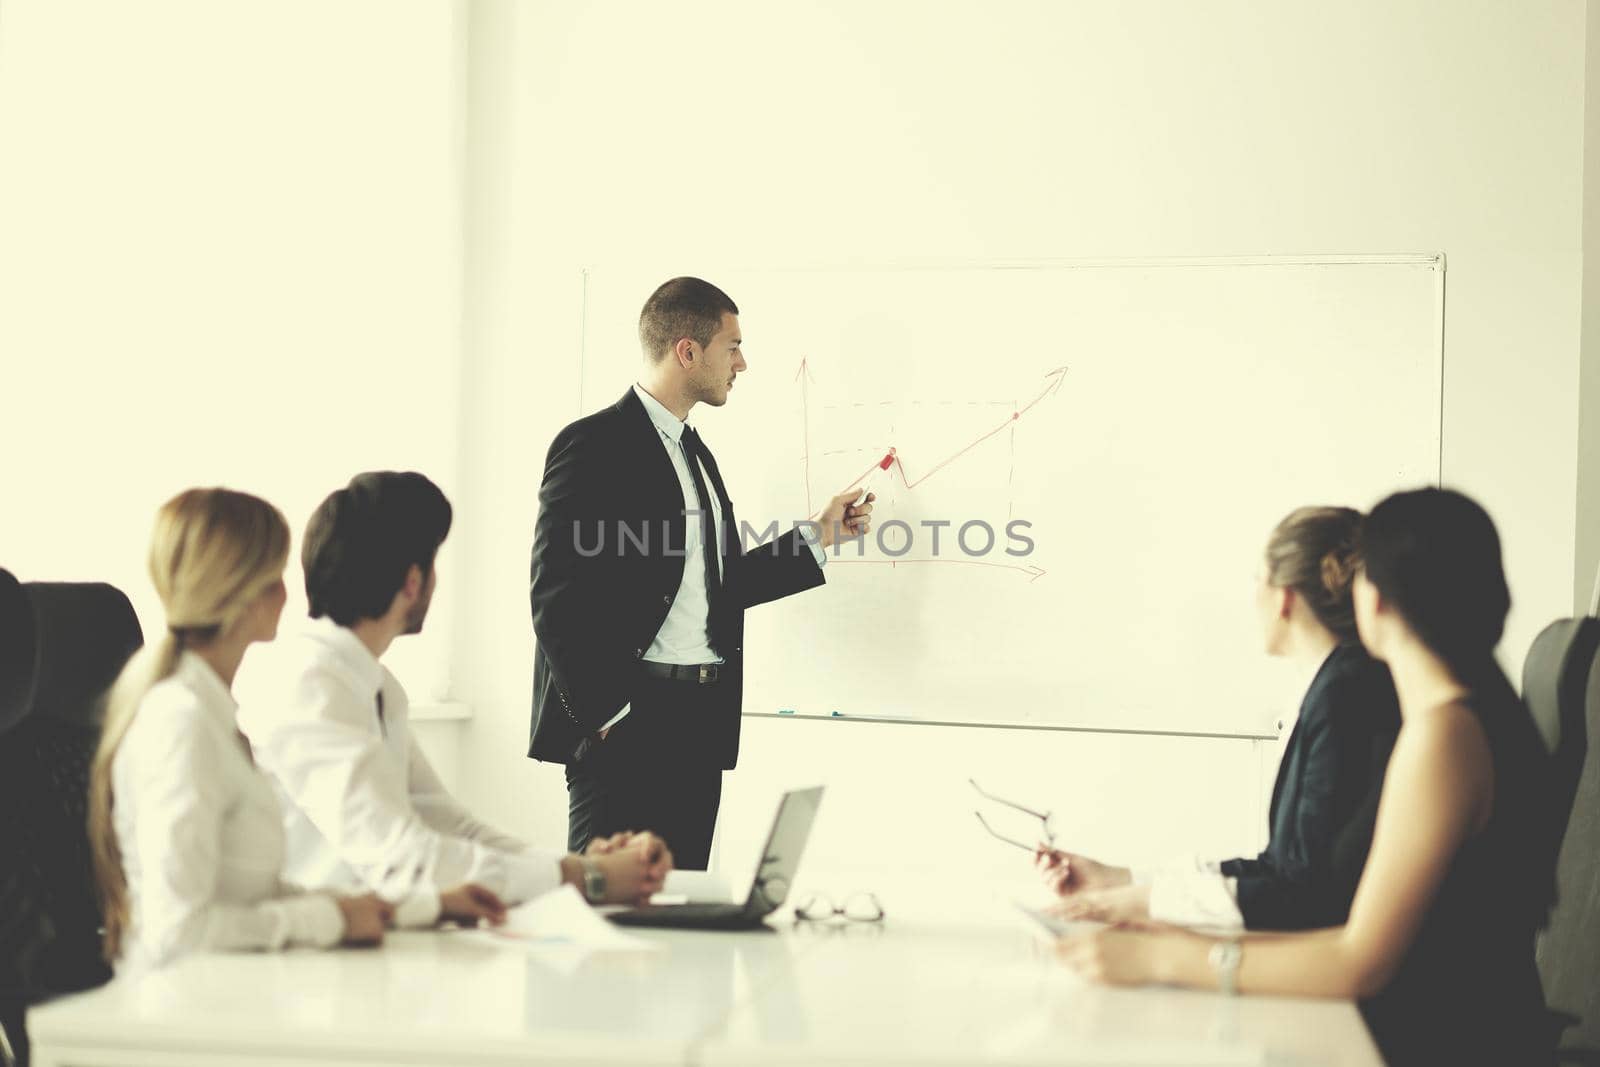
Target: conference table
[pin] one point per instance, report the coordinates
(975, 987)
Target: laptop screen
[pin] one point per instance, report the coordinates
(780, 859)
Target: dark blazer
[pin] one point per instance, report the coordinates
(1325, 800)
(607, 562)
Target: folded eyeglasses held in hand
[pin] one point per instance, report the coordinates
(1047, 832)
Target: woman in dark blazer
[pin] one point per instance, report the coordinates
(1439, 946)
(1325, 798)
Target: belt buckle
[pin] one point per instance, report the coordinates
(708, 673)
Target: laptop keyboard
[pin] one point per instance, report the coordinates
(693, 911)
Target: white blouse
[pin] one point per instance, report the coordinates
(201, 832)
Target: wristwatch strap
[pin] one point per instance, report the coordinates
(1224, 958)
(594, 881)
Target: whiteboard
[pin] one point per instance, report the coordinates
(1148, 422)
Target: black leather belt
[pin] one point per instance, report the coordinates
(696, 673)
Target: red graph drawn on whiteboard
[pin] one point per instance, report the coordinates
(893, 459)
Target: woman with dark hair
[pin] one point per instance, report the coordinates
(1325, 797)
(1439, 945)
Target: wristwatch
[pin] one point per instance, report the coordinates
(1224, 958)
(594, 881)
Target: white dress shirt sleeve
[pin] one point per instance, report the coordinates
(171, 779)
(325, 754)
(1193, 892)
(530, 871)
(444, 813)
(419, 909)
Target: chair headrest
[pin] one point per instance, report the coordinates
(63, 645)
(17, 651)
(1555, 673)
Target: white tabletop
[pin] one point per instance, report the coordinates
(424, 997)
(924, 993)
(912, 991)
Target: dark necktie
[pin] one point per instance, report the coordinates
(694, 450)
(383, 727)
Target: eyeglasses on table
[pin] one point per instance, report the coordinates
(856, 908)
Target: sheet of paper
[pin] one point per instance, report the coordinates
(562, 929)
(698, 887)
(1053, 923)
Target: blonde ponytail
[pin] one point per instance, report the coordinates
(213, 552)
(148, 667)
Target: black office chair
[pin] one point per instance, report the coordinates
(1561, 684)
(61, 647)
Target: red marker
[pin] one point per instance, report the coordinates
(889, 459)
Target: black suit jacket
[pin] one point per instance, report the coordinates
(607, 562)
(1325, 799)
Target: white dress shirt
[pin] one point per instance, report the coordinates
(363, 807)
(685, 636)
(201, 832)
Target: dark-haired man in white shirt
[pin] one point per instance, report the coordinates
(330, 723)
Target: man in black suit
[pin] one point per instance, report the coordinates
(640, 583)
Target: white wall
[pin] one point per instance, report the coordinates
(749, 134)
(229, 254)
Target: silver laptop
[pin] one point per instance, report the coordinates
(780, 859)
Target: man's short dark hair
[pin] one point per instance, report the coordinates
(363, 540)
(683, 307)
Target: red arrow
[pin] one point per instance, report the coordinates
(1054, 378)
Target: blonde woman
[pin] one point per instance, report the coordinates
(186, 832)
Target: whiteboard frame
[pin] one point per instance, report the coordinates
(1052, 727)
(1434, 261)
